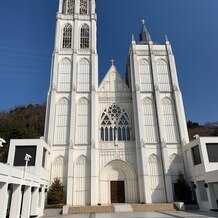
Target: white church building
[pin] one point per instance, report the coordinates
(117, 142)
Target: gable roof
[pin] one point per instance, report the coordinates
(113, 82)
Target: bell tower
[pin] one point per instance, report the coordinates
(74, 72)
(71, 105)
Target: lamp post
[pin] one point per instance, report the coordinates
(27, 159)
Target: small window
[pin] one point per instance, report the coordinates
(84, 37)
(212, 151)
(20, 153)
(67, 36)
(196, 155)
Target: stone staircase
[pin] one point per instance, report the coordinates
(153, 207)
(122, 208)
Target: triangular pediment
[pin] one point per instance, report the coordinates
(113, 82)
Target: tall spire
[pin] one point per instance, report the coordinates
(144, 35)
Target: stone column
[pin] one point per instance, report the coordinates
(3, 199)
(211, 196)
(70, 177)
(34, 202)
(41, 201)
(26, 202)
(16, 202)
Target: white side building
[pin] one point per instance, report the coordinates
(201, 158)
(23, 184)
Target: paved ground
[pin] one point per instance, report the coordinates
(170, 214)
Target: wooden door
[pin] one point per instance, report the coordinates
(117, 192)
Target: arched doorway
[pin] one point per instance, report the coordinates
(118, 183)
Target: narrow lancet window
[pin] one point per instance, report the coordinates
(83, 6)
(69, 7)
(84, 37)
(67, 36)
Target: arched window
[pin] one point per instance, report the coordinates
(145, 75)
(83, 133)
(115, 124)
(69, 7)
(83, 78)
(64, 75)
(170, 121)
(59, 169)
(156, 179)
(62, 122)
(82, 181)
(84, 37)
(150, 121)
(83, 6)
(163, 75)
(175, 167)
(67, 36)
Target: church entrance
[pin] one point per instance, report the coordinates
(118, 183)
(117, 192)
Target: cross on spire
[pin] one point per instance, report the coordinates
(143, 21)
(112, 61)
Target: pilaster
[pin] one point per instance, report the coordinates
(177, 96)
(26, 202)
(34, 202)
(137, 108)
(70, 172)
(16, 202)
(162, 133)
(3, 199)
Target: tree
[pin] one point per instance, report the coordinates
(56, 194)
(192, 125)
(182, 189)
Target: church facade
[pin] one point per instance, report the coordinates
(120, 141)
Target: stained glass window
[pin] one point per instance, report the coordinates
(115, 124)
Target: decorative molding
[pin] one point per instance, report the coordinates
(184, 142)
(54, 87)
(72, 144)
(142, 52)
(163, 143)
(137, 87)
(175, 87)
(156, 87)
(93, 144)
(160, 52)
(93, 87)
(142, 143)
(74, 87)
(169, 50)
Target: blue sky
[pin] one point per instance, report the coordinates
(27, 38)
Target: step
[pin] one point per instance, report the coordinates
(153, 207)
(91, 209)
(123, 208)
